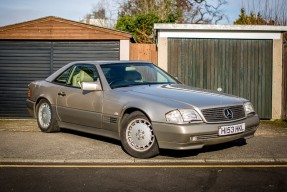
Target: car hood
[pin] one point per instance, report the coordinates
(186, 95)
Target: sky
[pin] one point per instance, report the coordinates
(16, 11)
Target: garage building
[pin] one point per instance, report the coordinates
(33, 50)
(241, 60)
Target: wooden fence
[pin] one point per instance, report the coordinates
(143, 52)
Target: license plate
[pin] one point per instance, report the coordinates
(231, 129)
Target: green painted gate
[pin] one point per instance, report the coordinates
(238, 67)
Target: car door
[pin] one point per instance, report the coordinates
(77, 106)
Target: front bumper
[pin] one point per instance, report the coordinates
(195, 136)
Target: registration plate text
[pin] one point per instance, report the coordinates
(231, 129)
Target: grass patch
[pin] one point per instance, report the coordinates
(277, 122)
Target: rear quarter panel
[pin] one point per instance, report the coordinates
(45, 90)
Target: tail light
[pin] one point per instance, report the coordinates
(29, 92)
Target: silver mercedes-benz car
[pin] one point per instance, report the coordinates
(140, 105)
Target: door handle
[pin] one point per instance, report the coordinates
(62, 94)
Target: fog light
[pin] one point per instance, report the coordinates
(193, 138)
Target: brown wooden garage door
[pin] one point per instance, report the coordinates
(238, 67)
(24, 61)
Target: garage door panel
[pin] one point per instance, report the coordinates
(98, 47)
(81, 56)
(28, 48)
(18, 63)
(65, 52)
(26, 64)
(24, 61)
(284, 94)
(11, 69)
(239, 67)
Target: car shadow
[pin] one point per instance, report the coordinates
(91, 136)
(164, 152)
(205, 149)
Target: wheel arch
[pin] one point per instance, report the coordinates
(41, 97)
(130, 110)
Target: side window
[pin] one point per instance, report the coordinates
(82, 73)
(62, 79)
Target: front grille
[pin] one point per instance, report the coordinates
(214, 115)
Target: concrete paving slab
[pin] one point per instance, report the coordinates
(22, 143)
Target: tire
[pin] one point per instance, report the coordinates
(45, 117)
(137, 136)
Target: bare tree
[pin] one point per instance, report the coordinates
(204, 11)
(103, 15)
(187, 11)
(134, 7)
(274, 12)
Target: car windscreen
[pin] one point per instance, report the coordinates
(132, 74)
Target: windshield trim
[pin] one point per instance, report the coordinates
(143, 84)
(117, 76)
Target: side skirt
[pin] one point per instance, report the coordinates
(92, 130)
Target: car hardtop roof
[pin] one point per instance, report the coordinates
(109, 62)
(57, 73)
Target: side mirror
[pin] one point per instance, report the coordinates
(91, 86)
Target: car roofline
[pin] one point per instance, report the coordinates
(111, 62)
(57, 73)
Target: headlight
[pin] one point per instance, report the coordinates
(182, 116)
(248, 108)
